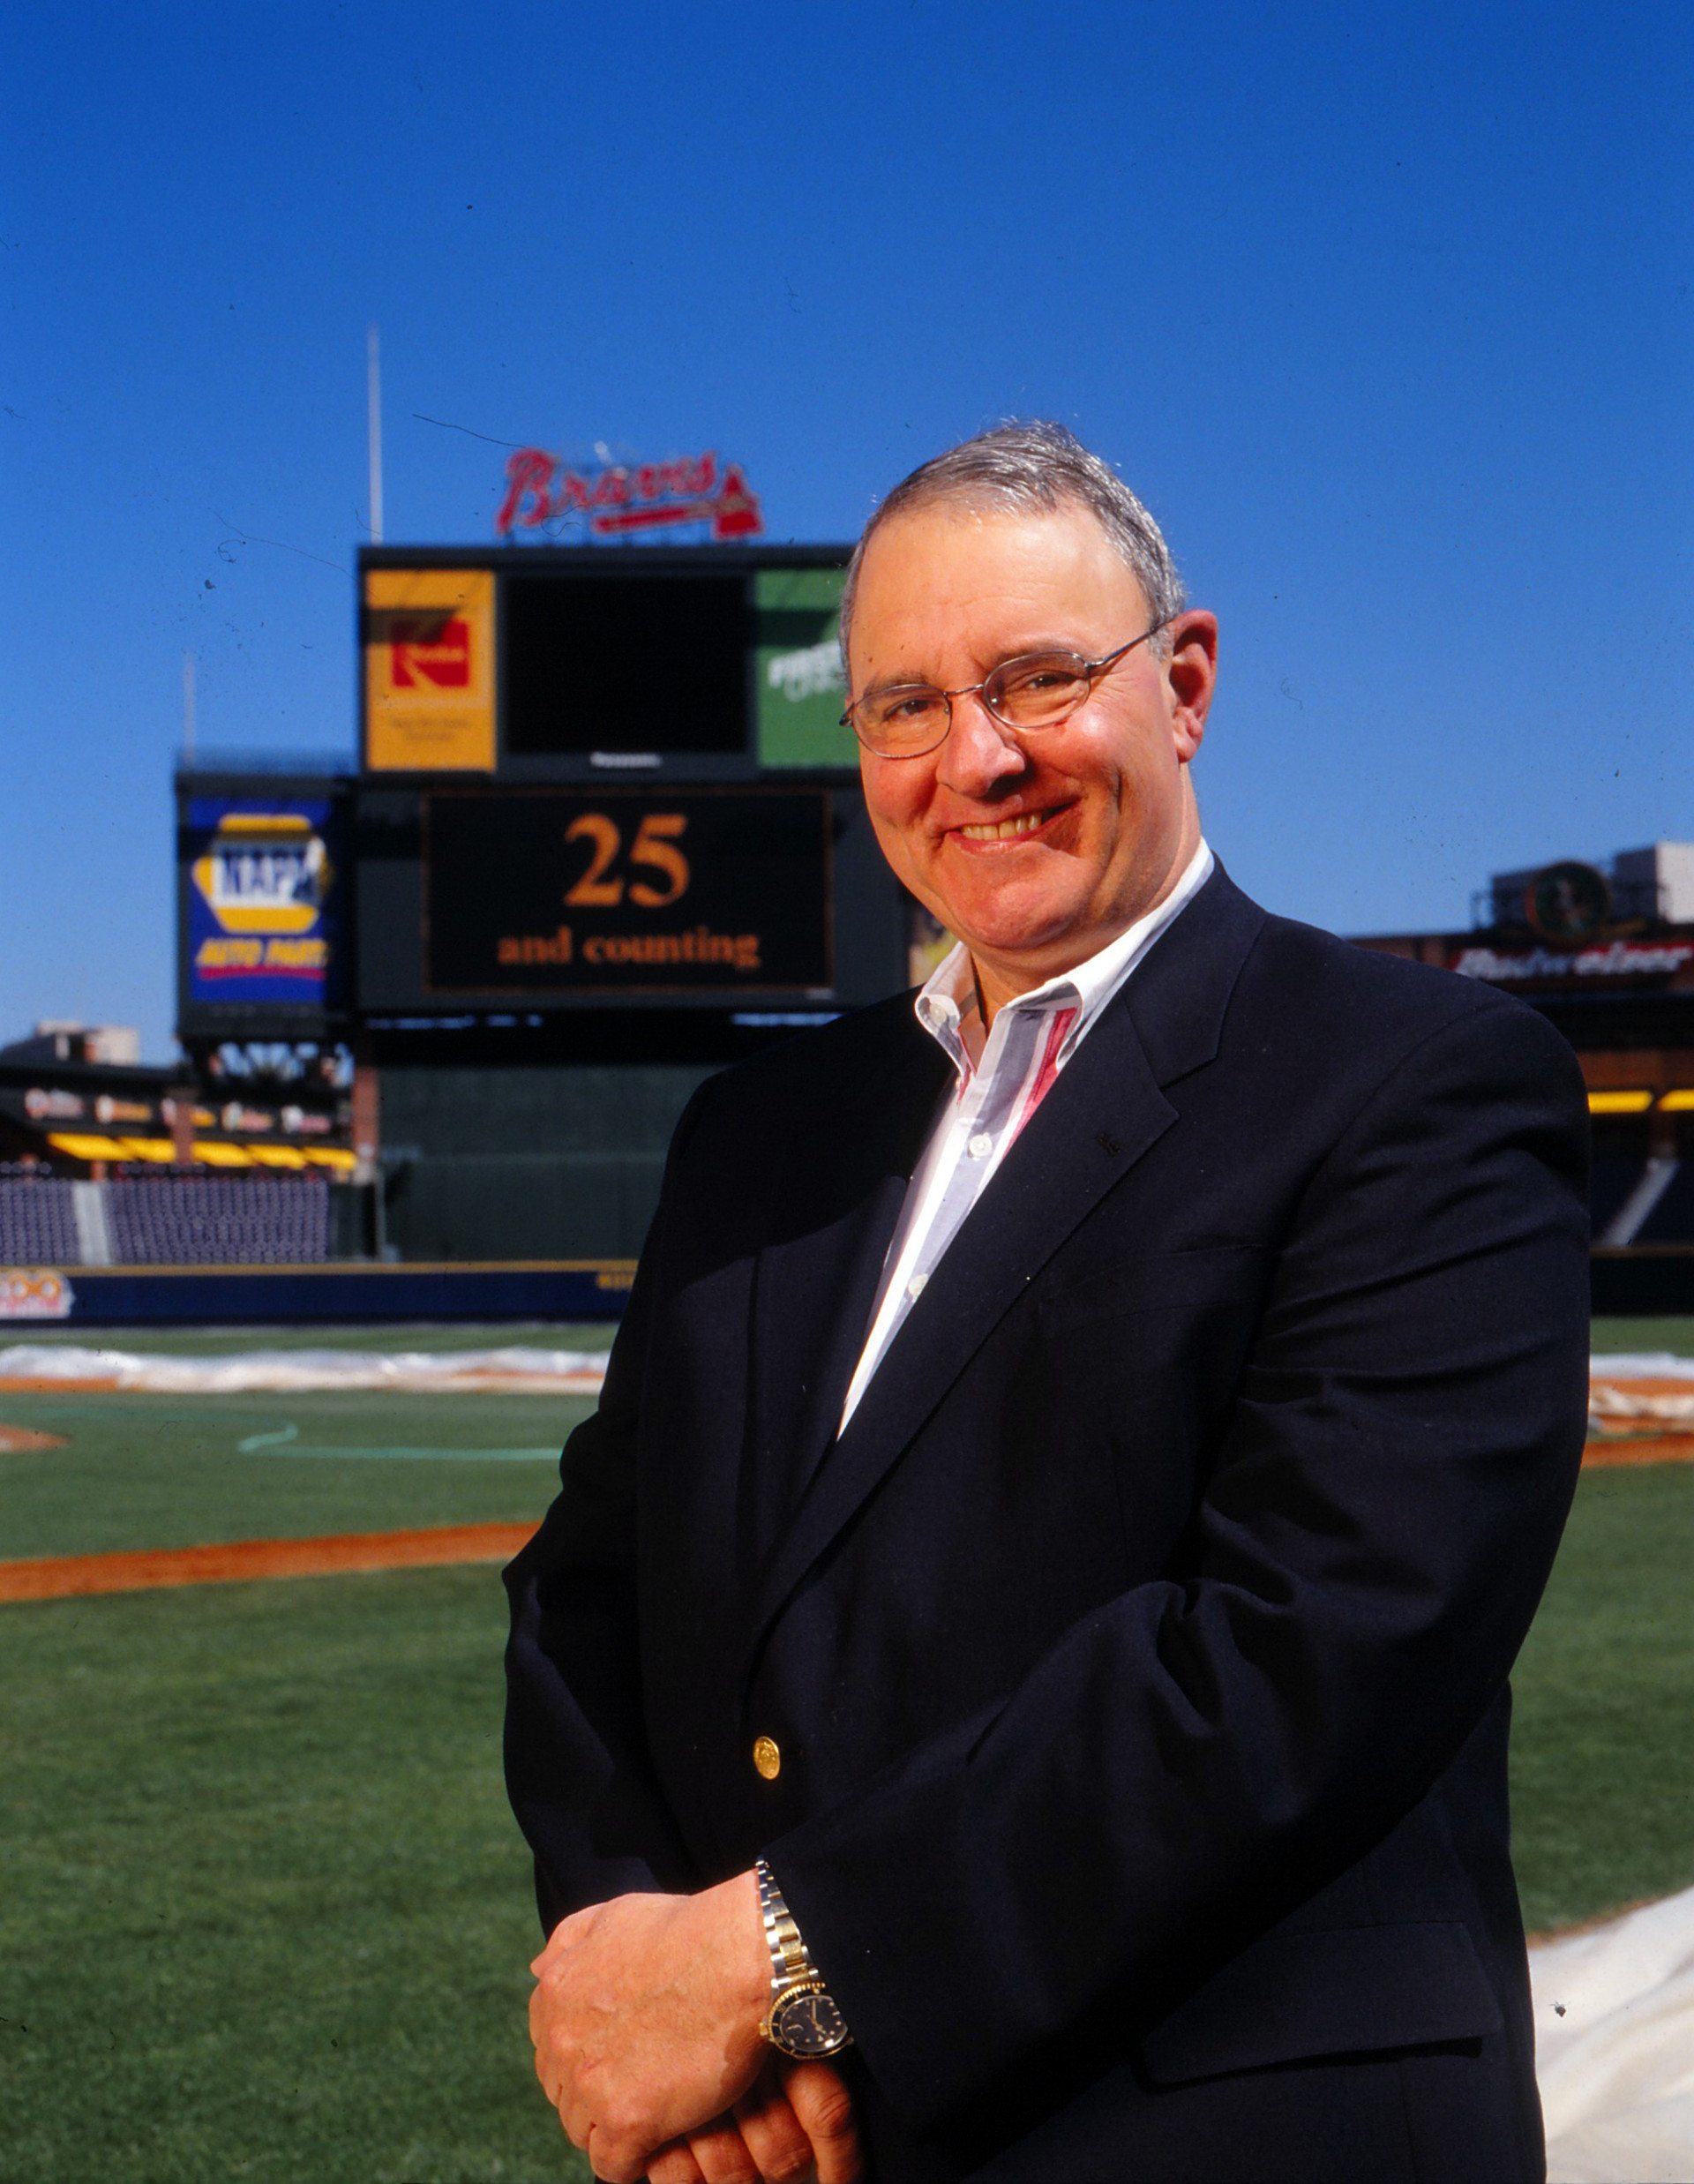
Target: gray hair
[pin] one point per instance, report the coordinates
(1034, 467)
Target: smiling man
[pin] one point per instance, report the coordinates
(1038, 848)
(1014, 1684)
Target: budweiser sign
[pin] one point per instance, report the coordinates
(1611, 959)
(620, 500)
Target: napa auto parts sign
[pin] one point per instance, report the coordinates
(263, 884)
(621, 500)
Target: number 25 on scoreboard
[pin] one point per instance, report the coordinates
(654, 847)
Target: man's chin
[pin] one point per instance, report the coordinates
(1024, 952)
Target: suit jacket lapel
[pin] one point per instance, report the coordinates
(1105, 1112)
(814, 1287)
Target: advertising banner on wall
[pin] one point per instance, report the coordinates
(1632, 962)
(610, 892)
(263, 887)
(429, 670)
(797, 681)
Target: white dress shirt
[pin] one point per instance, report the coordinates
(990, 1100)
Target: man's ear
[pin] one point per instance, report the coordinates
(1191, 672)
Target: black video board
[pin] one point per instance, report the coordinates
(623, 663)
(620, 892)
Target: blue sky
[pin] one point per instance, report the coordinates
(1385, 313)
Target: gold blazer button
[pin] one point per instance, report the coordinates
(767, 1757)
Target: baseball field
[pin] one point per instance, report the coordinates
(262, 1912)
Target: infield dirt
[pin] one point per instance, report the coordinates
(58, 1577)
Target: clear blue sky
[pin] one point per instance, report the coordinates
(1385, 312)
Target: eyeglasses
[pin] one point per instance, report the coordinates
(1036, 690)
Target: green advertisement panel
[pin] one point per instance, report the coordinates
(800, 690)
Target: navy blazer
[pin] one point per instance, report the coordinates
(1138, 1654)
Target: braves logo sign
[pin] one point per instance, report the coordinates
(619, 500)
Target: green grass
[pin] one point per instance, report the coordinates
(264, 1913)
(171, 1471)
(1613, 1335)
(1602, 1758)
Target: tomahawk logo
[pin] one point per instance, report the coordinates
(429, 651)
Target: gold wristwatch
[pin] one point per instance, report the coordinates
(802, 2020)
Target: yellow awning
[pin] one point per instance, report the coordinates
(1678, 1102)
(211, 1152)
(1619, 1102)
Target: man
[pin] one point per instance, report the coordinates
(1081, 1456)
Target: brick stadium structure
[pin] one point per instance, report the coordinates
(1607, 956)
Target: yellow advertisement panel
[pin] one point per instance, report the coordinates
(429, 670)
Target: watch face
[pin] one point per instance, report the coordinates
(806, 2022)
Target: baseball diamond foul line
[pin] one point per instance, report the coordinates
(58, 1577)
(285, 1441)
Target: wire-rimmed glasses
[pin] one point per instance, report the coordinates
(1036, 690)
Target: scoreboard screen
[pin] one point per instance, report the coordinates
(621, 663)
(609, 892)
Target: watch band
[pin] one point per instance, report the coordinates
(803, 2019)
(789, 1958)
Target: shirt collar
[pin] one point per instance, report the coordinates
(949, 995)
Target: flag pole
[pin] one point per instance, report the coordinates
(373, 427)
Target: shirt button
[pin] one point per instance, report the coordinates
(981, 1145)
(767, 1757)
(915, 1287)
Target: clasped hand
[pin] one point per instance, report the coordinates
(645, 2019)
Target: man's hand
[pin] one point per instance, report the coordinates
(797, 2123)
(646, 2021)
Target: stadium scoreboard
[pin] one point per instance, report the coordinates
(538, 662)
(624, 892)
(588, 778)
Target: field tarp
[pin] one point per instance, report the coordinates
(1614, 2047)
(44, 1367)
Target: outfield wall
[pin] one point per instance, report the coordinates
(1643, 1280)
(1655, 1280)
(273, 1296)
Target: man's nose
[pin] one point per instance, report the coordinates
(980, 750)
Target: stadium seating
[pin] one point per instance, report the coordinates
(171, 1221)
(38, 1227)
(218, 1220)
